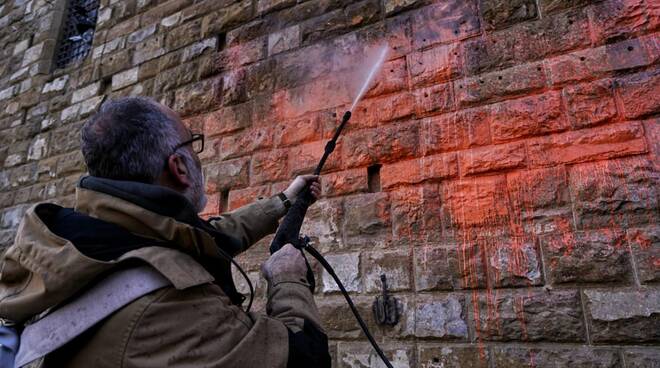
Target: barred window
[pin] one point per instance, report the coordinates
(77, 32)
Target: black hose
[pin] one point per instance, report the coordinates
(311, 250)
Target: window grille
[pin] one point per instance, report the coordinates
(77, 32)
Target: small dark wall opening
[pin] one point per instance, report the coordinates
(373, 178)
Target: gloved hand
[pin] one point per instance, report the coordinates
(287, 264)
(299, 183)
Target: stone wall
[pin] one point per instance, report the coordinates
(502, 172)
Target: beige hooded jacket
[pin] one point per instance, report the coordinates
(189, 324)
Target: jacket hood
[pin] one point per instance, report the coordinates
(56, 251)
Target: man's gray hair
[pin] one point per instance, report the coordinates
(130, 139)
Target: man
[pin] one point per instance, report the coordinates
(139, 206)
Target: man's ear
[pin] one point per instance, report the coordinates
(178, 172)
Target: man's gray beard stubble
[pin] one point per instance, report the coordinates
(195, 193)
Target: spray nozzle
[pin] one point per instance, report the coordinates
(347, 116)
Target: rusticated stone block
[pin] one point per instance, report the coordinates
(642, 358)
(360, 355)
(645, 245)
(194, 98)
(416, 171)
(416, 214)
(228, 119)
(583, 357)
(475, 203)
(340, 21)
(459, 130)
(611, 141)
(640, 94)
(241, 197)
(344, 182)
(323, 224)
(434, 100)
(624, 316)
(590, 104)
(244, 142)
(585, 64)
(374, 111)
(528, 41)
(386, 144)
(395, 6)
(530, 316)
(433, 66)
(347, 268)
(553, 6)
(227, 175)
(268, 166)
(540, 201)
(394, 265)
(492, 158)
(444, 356)
(613, 19)
(459, 266)
(528, 116)
(496, 85)
(593, 257)
(497, 13)
(367, 219)
(444, 22)
(441, 317)
(513, 261)
(616, 193)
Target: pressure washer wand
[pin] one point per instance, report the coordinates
(289, 232)
(289, 229)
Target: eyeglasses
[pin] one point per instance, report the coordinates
(197, 142)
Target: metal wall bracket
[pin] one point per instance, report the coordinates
(385, 307)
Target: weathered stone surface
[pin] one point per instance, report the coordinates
(590, 104)
(539, 201)
(513, 261)
(475, 203)
(617, 193)
(394, 142)
(530, 316)
(124, 79)
(433, 66)
(352, 355)
(624, 316)
(585, 64)
(345, 182)
(642, 358)
(195, 98)
(394, 265)
(497, 13)
(611, 141)
(268, 166)
(284, 40)
(444, 22)
(347, 268)
(416, 171)
(583, 357)
(367, 219)
(323, 224)
(444, 356)
(227, 175)
(492, 158)
(529, 116)
(493, 86)
(442, 317)
(591, 257)
(459, 266)
(612, 19)
(645, 245)
(451, 132)
(640, 94)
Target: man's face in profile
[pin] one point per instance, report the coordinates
(195, 192)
